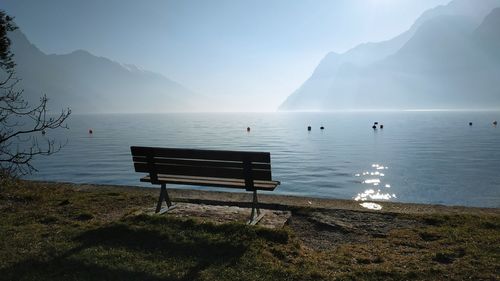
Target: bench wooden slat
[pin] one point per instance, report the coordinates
(261, 157)
(201, 162)
(217, 182)
(201, 171)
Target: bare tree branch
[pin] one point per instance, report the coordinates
(21, 124)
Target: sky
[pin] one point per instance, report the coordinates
(249, 54)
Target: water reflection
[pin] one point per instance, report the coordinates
(371, 206)
(374, 178)
(372, 181)
(371, 194)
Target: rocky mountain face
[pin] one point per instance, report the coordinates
(447, 59)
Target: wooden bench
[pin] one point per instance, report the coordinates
(232, 169)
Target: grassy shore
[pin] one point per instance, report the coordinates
(55, 231)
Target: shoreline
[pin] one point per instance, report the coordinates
(281, 202)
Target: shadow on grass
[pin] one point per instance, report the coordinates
(69, 269)
(144, 248)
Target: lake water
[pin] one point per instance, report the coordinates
(421, 157)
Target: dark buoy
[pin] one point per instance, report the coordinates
(321, 128)
(375, 123)
(374, 127)
(248, 129)
(90, 131)
(495, 122)
(381, 126)
(43, 132)
(470, 123)
(308, 128)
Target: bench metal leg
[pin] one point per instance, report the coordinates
(164, 197)
(256, 215)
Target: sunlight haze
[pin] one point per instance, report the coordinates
(246, 55)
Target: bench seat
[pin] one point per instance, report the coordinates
(217, 182)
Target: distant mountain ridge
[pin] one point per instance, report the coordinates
(447, 59)
(90, 84)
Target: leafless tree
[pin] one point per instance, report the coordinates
(21, 123)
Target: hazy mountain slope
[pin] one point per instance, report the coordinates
(341, 81)
(442, 66)
(488, 34)
(87, 83)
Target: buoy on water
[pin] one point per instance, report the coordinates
(321, 128)
(90, 131)
(248, 129)
(374, 127)
(43, 132)
(495, 122)
(375, 123)
(309, 128)
(381, 126)
(470, 123)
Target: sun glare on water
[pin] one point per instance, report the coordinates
(380, 192)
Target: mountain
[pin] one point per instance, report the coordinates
(489, 34)
(87, 83)
(443, 61)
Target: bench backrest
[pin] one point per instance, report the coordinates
(245, 165)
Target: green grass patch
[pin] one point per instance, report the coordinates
(56, 232)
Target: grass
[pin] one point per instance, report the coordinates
(56, 232)
(459, 248)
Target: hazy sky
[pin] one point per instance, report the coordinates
(250, 53)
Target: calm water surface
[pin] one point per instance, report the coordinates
(421, 157)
